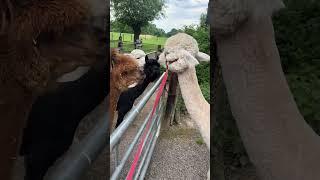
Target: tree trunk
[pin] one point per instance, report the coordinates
(136, 32)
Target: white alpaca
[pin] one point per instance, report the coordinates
(182, 54)
(139, 55)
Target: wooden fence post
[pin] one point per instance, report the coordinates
(171, 100)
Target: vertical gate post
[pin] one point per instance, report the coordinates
(171, 100)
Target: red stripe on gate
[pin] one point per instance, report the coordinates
(139, 150)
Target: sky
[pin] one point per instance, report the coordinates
(181, 12)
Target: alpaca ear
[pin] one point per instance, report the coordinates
(187, 57)
(146, 59)
(203, 57)
(162, 59)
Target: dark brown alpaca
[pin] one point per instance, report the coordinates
(125, 72)
(39, 41)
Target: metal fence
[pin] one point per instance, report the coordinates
(151, 136)
(80, 156)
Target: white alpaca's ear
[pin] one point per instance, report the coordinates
(162, 60)
(188, 58)
(203, 57)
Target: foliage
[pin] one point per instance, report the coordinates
(297, 30)
(147, 39)
(153, 30)
(117, 26)
(138, 13)
(173, 31)
(150, 28)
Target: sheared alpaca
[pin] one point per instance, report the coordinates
(182, 54)
(279, 142)
(125, 73)
(39, 42)
(127, 98)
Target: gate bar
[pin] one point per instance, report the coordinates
(117, 172)
(118, 133)
(80, 156)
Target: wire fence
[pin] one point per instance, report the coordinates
(127, 47)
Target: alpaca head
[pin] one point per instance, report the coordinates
(151, 69)
(50, 38)
(140, 56)
(125, 71)
(226, 16)
(181, 52)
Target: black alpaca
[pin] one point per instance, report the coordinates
(127, 98)
(55, 117)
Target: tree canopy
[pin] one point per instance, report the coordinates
(138, 13)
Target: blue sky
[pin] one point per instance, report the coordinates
(181, 12)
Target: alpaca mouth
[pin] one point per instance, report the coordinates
(170, 62)
(132, 85)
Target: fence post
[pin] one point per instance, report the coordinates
(159, 48)
(171, 100)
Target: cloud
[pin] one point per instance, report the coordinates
(182, 12)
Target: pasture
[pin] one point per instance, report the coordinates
(149, 42)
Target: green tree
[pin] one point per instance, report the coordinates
(152, 30)
(173, 31)
(138, 13)
(117, 26)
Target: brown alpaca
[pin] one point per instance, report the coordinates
(125, 73)
(39, 41)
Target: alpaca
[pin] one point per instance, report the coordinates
(39, 42)
(60, 111)
(127, 98)
(181, 53)
(279, 142)
(140, 56)
(125, 73)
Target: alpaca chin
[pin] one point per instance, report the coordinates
(73, 75)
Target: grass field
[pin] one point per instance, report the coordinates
(148, 39)
(149, 43)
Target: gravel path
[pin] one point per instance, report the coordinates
(179, 152)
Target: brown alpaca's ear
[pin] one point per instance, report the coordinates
(114, 56)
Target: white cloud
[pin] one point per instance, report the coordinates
(182, 12)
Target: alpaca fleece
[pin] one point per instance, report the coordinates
(39, 41)
(127, 98)
(125, 72)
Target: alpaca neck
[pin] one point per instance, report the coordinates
(197, 106)
(270, 124)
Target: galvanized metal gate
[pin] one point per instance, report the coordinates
(151, 138)
(80, 156)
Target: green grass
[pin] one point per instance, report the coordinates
(146, 39)
(128, 46)
(199, 141)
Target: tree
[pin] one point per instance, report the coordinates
(117, 26)
(173, 32)
(138, 13)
